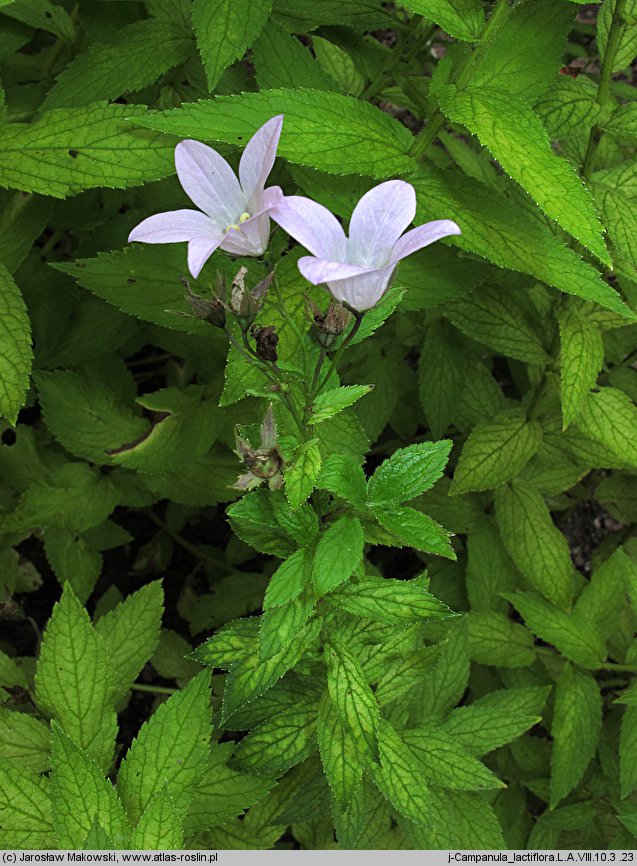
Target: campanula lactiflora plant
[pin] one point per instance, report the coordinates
(318, 374)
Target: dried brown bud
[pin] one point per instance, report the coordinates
(331, 323)
(266, 340)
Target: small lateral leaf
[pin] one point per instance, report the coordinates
(301, 475)
(330, 403)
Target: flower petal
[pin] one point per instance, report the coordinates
(172, 227)
(209, 181)
(312, 225)
(250, 238)
(318, 271)
(422, 236)
(199, 251)
(258, 157)
(379, 219)
(362, 292)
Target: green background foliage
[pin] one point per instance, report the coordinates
(426, 639)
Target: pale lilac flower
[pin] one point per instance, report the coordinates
(358, 268)
(233, 212)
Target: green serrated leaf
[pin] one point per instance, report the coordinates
(73, 680)
(534, 543)
(160, 825)
(188, 424)
(514, 135)
(301, 475)
(604, 596)
(503, 322)
(339, 755)
(495, 452)
(463, 19)
(415, 529)
(289, 580)
(140, 54)
(441, 375)
(80, 796)
(283, 741)
(408, 473)
(362, 138)
(343, 476)
(73, 149)
(495, 640)
(389, 601)
(445, 763)
(85, 415)
(352, 698)
(280, 625)
(249, 678)
(459, 821)
(609, 417)
(130, 633)
(25, 809)
(74, 560)
(281, 60)
(514, 239)
(24, 740)
(73, 497)
(495, 719)
(223, 793)
(628, 752)
(330, 403)
(338, 553)
(43, 15)
(574, 634)
(400, 777)
(627, 48)
(577, 719)
(170, 749)
(17, 355)
(225, 30)
(533, 30)
(581, 359)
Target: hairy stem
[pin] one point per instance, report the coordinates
(426, 136)
(606, 76)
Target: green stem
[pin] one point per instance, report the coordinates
(610, 666)
(426, 136)
(187, 545)
(155, 690)
(339, 353)
(315, 378)
(605, 80)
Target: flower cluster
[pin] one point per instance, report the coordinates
(234, 215)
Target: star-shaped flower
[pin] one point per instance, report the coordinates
(357, 269)
(233, 212)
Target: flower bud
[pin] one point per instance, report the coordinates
(246, 303)
(211, 310)
(330, 324)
